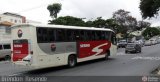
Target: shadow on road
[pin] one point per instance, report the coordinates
(60, 68)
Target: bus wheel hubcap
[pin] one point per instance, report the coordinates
(72, 61)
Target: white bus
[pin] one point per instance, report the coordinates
(43, 46)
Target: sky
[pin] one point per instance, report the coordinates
(90, 9)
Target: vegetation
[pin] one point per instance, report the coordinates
(149, 8)
(68, 20)
(121, 22)
(126, 22)
(74, 21)
(150, 32)
(142, 24)
(54, 9)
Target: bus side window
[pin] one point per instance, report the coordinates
(71, 36)
(42, 35)
(39, 35)
(51, 35)
(45, 35)
(60, 35)
(93, 35)
(77, 35)
(86, 35)
(74, 35)
(1, 47)
(97, 35)
(102, 35)
(82, 35)
(6, 46)
(89, 35)
(107, 34)
(39, 31)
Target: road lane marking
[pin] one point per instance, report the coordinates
(122, 54)
(16, 74)
(145, 58)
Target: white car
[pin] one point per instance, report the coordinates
(5, 50)
(147, 43)
(139, 42)
(158, 40)
(153, 41)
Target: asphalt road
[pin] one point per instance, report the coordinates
(122, 66)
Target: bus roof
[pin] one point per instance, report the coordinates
(61, 26)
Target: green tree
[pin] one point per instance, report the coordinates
(111, 24)
(126, 22)
(142, 24)
(131, 23)
(54, 9)
(68, 20)
(149, 8)
(150, 32)
(99, 23)
(89, 24)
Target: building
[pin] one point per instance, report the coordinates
(8, 19)
(15, 18)
(12, 17)
(5, 30)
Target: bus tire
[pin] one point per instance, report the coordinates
(107, 55)
(72, 60)
(7, 57)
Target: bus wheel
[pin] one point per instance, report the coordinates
(7, 57)
(107, 56)
(72, 61)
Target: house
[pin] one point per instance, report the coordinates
(8, 19)
(12, 18)
(5, 30)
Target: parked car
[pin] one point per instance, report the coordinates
(133, 47)
(122, 43)
(140, 42)
(153, 41)
(158, 40)
(148, 43)
(5, 50)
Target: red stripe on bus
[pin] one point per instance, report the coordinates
(20, 51)
(90, 48)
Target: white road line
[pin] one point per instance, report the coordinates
(16, 74)
(145, 58)
(122, 54)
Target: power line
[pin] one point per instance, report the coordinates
(33, 8)
(29, 9)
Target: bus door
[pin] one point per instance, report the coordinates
(21, 50)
